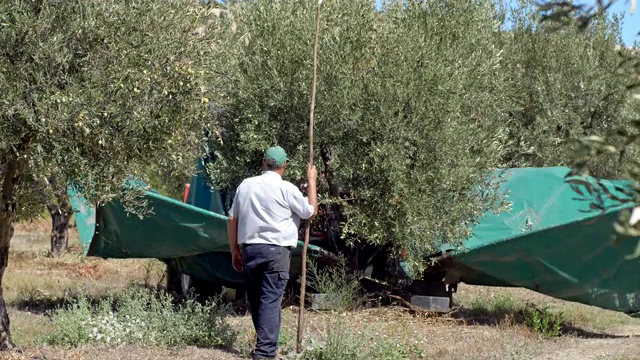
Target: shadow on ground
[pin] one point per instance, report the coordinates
(47, 304)
(501, 315)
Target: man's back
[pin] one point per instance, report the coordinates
(266, 212)
(269, 210)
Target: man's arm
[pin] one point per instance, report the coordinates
(312, 193)
(306, 208)
(232, 233)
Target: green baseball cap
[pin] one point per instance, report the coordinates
(275, 155)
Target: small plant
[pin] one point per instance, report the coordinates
(340, 285)
(498, 306)
(286, 341)
(141, 316)
(544, 322)
(153, 271)
(341, 343)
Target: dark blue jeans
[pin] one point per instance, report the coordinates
(266, 273)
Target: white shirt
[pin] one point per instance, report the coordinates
(268, 210)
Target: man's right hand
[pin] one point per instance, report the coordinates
(312, 179)
(312, 173)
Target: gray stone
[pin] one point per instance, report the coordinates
(324, 301)
(439, 304)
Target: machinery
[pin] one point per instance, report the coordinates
(554, 241)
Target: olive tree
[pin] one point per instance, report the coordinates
(622, 140)
(50, 193)
(563, 87)
(408, 111)
(93, 91)
(60, 211)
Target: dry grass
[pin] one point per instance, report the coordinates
(35, 283)
(579, 315)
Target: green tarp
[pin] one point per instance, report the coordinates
(190, 239)
(552, 241)
(174, 230)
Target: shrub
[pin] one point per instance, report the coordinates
(544, 321)
(343, 343)
(498, 306)
(340, 284)
(141, 316)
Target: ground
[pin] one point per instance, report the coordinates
(487, 325)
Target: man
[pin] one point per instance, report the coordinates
(263, 229)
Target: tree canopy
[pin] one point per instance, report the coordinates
(408, 103)
(563, 87)
(621, 140)
(93, 92)
(417, 103)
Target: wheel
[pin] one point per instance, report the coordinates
(178, 283)
(185, 284)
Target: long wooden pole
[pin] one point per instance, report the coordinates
(303, 276)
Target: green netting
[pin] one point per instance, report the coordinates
(174, 230)
(552, 241)
(189, 238)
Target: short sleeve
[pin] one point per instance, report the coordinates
(299, 204)
(235, 207)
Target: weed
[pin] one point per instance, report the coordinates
(286, 341)
(544, 322)
(341, 343)
(141, 316)
(247, 340)
(340, 285)
(499, 306)
(153, 270)
(540, 320)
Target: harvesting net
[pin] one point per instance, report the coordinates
(553, 240)
(190, 237)
(556, 242)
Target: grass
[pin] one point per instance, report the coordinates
(340, 342)
(492, 323)
(340, 285)
(485, 304)
(140, 316)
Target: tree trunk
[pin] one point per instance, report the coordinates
(5, 333)
(334, 215)
(59, 230)
(60, 214)
(10, 182)
(356, 258)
